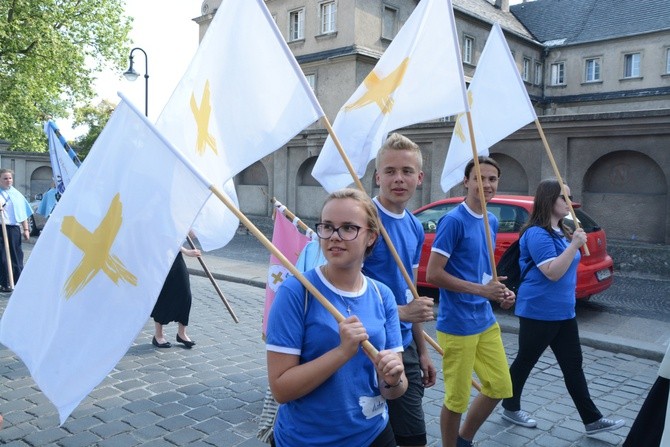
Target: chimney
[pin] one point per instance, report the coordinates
(502, 5)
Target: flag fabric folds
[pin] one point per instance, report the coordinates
(242, 97)
(418, 78)
(64, 162)
(115, 235)
(499, 106)
(290, 242)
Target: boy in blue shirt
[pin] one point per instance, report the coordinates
(399, 164)
(466, 327)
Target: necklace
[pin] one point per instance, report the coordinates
(346, 303)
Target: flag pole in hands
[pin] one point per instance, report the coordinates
(385, 235)
(482, 199)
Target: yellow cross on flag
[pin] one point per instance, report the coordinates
(95, 273)
(499, 107)
(242, 97)
(418, 78)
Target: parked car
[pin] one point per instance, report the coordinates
(594, 273)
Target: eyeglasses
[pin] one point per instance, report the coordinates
(346, 232)
(563, 197)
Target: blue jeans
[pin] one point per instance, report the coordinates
(563, 338)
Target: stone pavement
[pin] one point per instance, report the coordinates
(213, 393)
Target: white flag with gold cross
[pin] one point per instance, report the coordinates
(97, 269)
(499, 106)
(242, 97)
(418, 78)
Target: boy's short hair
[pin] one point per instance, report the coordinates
(482, 160)
(398, 142)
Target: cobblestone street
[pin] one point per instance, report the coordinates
(213, 393)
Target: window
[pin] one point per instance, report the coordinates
(389, 22)
(296, 25)
(538, 73)
(558, 73)
(525, 73)
(311, 80)
(667, 61)
(592, 70)
(468, 45)
(328, 14)
(631, 65)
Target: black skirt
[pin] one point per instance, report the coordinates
(174, 301)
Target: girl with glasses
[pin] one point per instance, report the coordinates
(331, 393)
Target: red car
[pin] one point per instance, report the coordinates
(594, 274)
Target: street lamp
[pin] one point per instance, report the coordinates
(131, 75)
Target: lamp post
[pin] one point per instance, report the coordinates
(131, 75)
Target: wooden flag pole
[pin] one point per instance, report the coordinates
(213, 281)
(387, 238)
(291, 216)
(482, 198)
(10, 270)
(560, 180)
(370, 350)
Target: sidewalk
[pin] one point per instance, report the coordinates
(212, 395)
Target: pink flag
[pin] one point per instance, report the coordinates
(290, 243)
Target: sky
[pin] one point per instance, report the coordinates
(166, 31)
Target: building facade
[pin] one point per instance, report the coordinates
(597, 72)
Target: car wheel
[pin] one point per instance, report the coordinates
(33, 227)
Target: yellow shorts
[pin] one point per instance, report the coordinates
(484, 353)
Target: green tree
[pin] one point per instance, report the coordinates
(50, 52)
(95, 118)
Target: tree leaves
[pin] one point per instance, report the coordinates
(50, 52)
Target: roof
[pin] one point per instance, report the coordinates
(484, 10)
(568, 22)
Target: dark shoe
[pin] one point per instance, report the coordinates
(603, 424)
(187, 344)
(154, 342)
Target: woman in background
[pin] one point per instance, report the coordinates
(174, 302)
(545, 305)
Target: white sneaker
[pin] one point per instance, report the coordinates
(519, 417)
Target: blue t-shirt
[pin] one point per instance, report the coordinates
(407, 236)
(461, 237)
(347, 409)
(539, 297)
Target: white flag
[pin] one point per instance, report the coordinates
(114, 236)
(242, 97)
(62, 165)
(499, 106)
(419, 78)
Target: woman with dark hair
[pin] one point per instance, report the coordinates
(545, 306)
